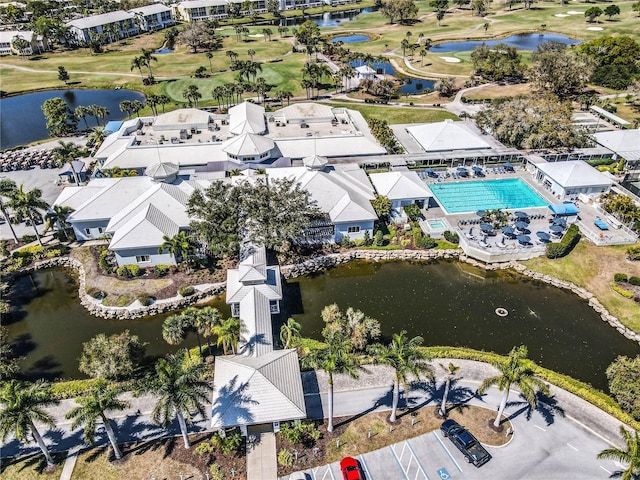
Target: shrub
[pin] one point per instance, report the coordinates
(634, 281)
(72, 388)
(145, 300)
(425, 242)
(618, 289)
(229, 444)
(96, 293)
(285, 458)
(451, 237)
(186, 290)
(620, 277)
(413, 212)
(161, 270)
(300, 432)
(564, 247)
(378, 239)
(216, 472)
(128, 271)
(633, 253)
(105, 261)
(28, 238)
(346, 242)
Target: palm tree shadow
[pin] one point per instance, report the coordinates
(385, 400)
(457, 397)
(233, 403)
(546, 406)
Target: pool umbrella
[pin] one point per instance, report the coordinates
(507, 229)
(476, 169)
(522, 225)
(508, 166)
(559, 221)
(521, 214)
(429, 170)
(524, 238)
(462, 169)
(481, 213)
(543, 235)
(486, 227)
(556, 228)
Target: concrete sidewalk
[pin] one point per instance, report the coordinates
(261, 453)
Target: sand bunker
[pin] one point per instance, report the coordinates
(450, 59)
(255, 35)
(561, 15)
(595, 29)
(574, 12)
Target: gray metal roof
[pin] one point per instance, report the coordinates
(102, 19)
(254, 390)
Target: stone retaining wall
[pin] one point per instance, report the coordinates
(94, 307)
(319, 264)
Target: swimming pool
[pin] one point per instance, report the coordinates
(486, 195)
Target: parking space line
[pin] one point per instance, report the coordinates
(573, 447)
(364, 465)
(610, 473)
(325, 473)
(540, 428)
(398, 461)
(435, 434)
(417, 461)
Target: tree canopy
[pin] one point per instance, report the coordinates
(497, 62)
(558, 71)
(624, 383)
(399, 10)
(114, 357)
(526, 122)
(615, 60)
(60, 118)
(351, 324)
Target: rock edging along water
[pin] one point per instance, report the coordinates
(318, 264)
(94, 307)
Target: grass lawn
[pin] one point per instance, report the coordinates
(31, 468)
(593, 268)
(497, 91)
(397, 114)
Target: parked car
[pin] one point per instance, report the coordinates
(473, 451)
(350, 468)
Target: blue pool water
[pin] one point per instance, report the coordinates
(486, 195)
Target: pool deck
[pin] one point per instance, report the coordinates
(490, 249)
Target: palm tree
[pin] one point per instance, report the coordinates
(204, 321)
(406, 358)
(178, 246)
(57, 217)
(228, 332)
(92, 407)
(147, 57)
(7, 189)
(337, 358)
(218, 94)
(630, 454)
(81, 112)
(126, 107)
(96, 137)
(209, 57)
(251, 53)
(175, 328)
(27, 204)
(23, 404)
(136, 106)
(289, 333)
(451, 371)
(516, 370)
(68, 152)
(138, 62)
(180, 389)
(163, 100)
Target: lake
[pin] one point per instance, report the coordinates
(23, 121)
(525, 41)
(448, 303)
(327, 19)
(410, 86)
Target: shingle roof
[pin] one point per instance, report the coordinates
(254, 390)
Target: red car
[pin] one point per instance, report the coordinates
(350, 468)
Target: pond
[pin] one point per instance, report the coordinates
(451, 303)
(23, 121)
(327, 19)
(47, 326)
(411, 85)
(448, 303)
(351, 39)
(525, 41)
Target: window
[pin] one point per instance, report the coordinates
(235, 310)
(87, 231)
(143, 258)
(100, 230)
(353, 229)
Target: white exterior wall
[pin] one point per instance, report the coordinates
(128, 257)
(93, 227)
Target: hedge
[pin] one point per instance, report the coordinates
(620, 277)
(186, 290)
(634, 281)
(618, 289)
(72, 388)
(564, 247)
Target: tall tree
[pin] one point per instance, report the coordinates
(290, 333)
(22, 405)
(180, 390)
(176, 327)
(8, 189)
(204, 321)
(80, 112)
(63, 75)
(28, 204)
(399, 10)
(60, 118)
(558, 71)
(515, 370)
(180, 246)
(137, 62)
(624, 383)
(614, 59)
(592, 13)
(336, 359)
(352, 324)
(57, 218)
(68, 152)
(148, 57)
(629, 454)
(451, 371)
(8, 362)
(611, 10)
(92, 407)
(114, 357)
(407, 359)
(228, 334)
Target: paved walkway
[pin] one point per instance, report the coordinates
(261, 453)
(69, 464)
